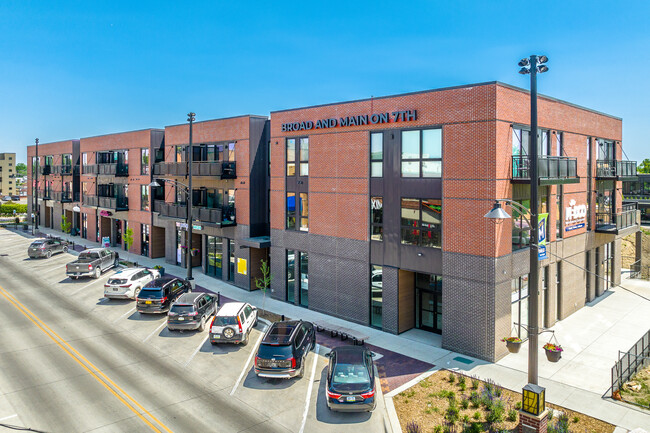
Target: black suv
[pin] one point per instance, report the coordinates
(284, 349)
(157, 295)
(191, 311)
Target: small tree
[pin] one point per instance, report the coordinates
(644, 167)
(65, 224)
(128, 238)
(264, 283)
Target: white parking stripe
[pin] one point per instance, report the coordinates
(164, 323)
(87, 285)
(248, 361)
(311, 386)
(128, 313)
(9, 417)
(196, 350)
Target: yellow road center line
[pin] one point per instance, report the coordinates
(41, 325)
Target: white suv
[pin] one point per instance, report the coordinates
(126, 284)
(233, 323)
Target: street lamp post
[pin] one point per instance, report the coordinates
(190, 118)
(35, 204)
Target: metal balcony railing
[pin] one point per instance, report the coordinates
(114, 169)
(613, 222)
(63, 169)
(64, 197)
(115, 203)
(89, 169)
(90, 200)
(220, 169)
(550, 169)
(622, 170)
(626, 170)
(223, 216)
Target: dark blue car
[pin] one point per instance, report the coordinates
(351, 380)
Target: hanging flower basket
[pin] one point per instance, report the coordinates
(553, 352)
(513, 344)
(194, 252)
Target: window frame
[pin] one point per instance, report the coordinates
(420, 223)
(420, 160)
(373, 224)
(380, 160)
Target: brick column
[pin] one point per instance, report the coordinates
(529, 423)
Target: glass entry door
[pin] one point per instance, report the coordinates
(428, 292)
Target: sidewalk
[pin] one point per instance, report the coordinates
(591, 338)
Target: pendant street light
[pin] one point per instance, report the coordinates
(35, 204)
(190, 118)
(533, 65)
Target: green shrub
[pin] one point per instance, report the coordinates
(466, 419)
(559, 426)
(575, 419)
(462, 386)
(475, 399)
(8, 208)
(518, 405)
(475, 383)
(474, 427)
(461, 380)
(452, 414)
(437, 429)
(512, 415)
(477, 415)
(413, 427)
(464, 403)
(496, 413)
(452, 377)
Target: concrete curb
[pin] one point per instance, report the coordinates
(393, 419)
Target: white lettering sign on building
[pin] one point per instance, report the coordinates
(574, 216)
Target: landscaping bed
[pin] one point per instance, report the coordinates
(637, 390)
(451, 402)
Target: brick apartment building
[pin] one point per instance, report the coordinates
(58, 182)
(8, 174)
(373, 210)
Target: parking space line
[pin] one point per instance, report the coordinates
(196, 350)
(164, 323)
(131, 311)
(248, 361)
(87, 285)
(9, 417)
(309, 389)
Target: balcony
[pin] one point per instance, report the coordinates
(46, 194)
(552, 170)
(46, 170)
(63, 169)
(115, 203)
(221, 217)
(220, 169)
(66, 196)
(619, 170)
(113, 169)
(615, 222)
(89, 169)
(90, 200)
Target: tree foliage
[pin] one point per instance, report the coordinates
(644, 167)
(21, 169)
(264, 283)
(8, 208)
(65, 224)
(128, 238)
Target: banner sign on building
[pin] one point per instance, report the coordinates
(541, 243)
(106, 241)
(358, 120)
(242, 267)
(574, 216)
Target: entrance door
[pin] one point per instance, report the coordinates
(118, 232)
(429, 302)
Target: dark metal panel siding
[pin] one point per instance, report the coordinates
(259, 176)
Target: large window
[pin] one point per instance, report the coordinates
(519, 306)
(144, 197)
(422, 153)
(376, 296)
(377, 154)
(84, 225)
(291, 156)
(304, 156)
(304, 279)
(291, 275)
(377, 218)
(421, 222)
(178, 155)
(297, 210)
(231, 252)
(144, 161)
(304, 212)
(291, 210)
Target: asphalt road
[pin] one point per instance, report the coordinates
(73, 361)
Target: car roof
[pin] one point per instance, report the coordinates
(281, 332)
(159, 282)
(129, 272)
(350, 354)
(188, 298)
(93, 250)
(231, 308)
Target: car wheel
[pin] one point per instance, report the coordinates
(245, 342)
(301, 373)
(136, 292)
(97, 273)
(255, 324)
(48, 254)
(202, 325)
(65, 249)
(74, 277)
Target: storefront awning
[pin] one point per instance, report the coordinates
(256, 242)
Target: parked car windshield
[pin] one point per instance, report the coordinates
(150, 294)
(268, 351)
(116, 281)
(182, 309)
(37, 243)
(225, 320)
(350, 373)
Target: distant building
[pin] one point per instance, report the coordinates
(7, 174)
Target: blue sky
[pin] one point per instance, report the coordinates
(79, 69)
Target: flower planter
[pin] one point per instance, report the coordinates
(553, 355)
(513, 346)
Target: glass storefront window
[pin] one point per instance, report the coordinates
(377, 154)
(304, 212)
(144, 235)
(519, 306)
(304, 279)
(376, 296)
(291, 156)
(304, 156)
(377, 218)
(291, 210)
(231, 252)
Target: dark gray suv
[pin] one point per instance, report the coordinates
(191, 311)
(47, 247)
